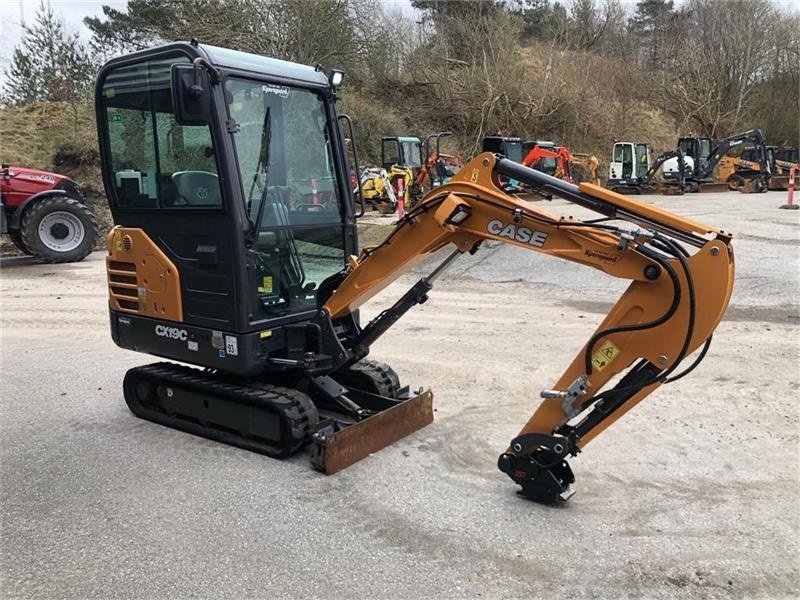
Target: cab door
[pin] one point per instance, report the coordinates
(164, 178)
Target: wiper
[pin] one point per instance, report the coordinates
(263, 166)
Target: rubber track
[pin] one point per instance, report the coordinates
(298, 415)
(382, 375)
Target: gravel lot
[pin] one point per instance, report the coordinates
(693, 494)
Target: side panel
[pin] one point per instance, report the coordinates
(242, 354)
(142, 280)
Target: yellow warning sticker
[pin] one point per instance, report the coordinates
(266, 286)
(118, 241)
(266, 334)
(474, 177)
(606, 353)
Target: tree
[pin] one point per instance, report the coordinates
(48, 64)
(651, 24)
(142, 24)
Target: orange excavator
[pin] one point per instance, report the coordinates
(439, 167)
(558, 161)
(229, 260)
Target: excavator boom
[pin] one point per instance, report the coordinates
(681, 275)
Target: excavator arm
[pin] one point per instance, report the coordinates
(681, 275)
(756, 136)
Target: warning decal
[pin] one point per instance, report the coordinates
(606, 353)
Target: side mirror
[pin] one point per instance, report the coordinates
(5, 170)
(191, 94)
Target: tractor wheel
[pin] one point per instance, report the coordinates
(16, 239)
(59, 229)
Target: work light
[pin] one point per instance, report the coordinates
(335, 78)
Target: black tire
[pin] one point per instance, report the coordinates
(370, 376)
(59, 229)
(735, 183)
(16, 239)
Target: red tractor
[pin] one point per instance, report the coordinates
(45, 215)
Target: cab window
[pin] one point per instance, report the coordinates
(412, 155)
(390, 153)
(156, 163)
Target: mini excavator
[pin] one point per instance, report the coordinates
(235, 251)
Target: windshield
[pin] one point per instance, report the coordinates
(641, 157)
(289, 186)
(688, 146)
(705, 148)
(283, 149)
(514, 151)
(412, 155)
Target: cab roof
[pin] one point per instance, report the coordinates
(403, 139)
(263, 65)
(232, 59)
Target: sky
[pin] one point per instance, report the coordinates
(14, 12)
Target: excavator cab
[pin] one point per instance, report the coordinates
(227, 179)
(697, 149)
(401, 151)
(630, 160)
(510, 147)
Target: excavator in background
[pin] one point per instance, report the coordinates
(739, 171)
(559, 162)
(701, 166)
(404, 175)
(223, 262)
(629, 166)
(438, 168)
(633, 171)
(682, 172)
(511, 148)
(376, 189)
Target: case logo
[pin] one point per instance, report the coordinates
(514, 232)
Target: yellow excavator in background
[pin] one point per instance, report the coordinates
(223, 256)
(740, 171)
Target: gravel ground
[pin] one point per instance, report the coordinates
(693, 494)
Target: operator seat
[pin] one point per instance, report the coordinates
(197, 188)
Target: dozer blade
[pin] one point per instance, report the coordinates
(339, 446)
(714, 187)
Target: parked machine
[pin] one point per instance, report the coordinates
(439, 167)
(629, 166)
(404, 168)
(703, 165)
(45, 215)
(559, 162)
(511, 148)
(683, 172)
(217, 265)
(377, 190)
(742, 170)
